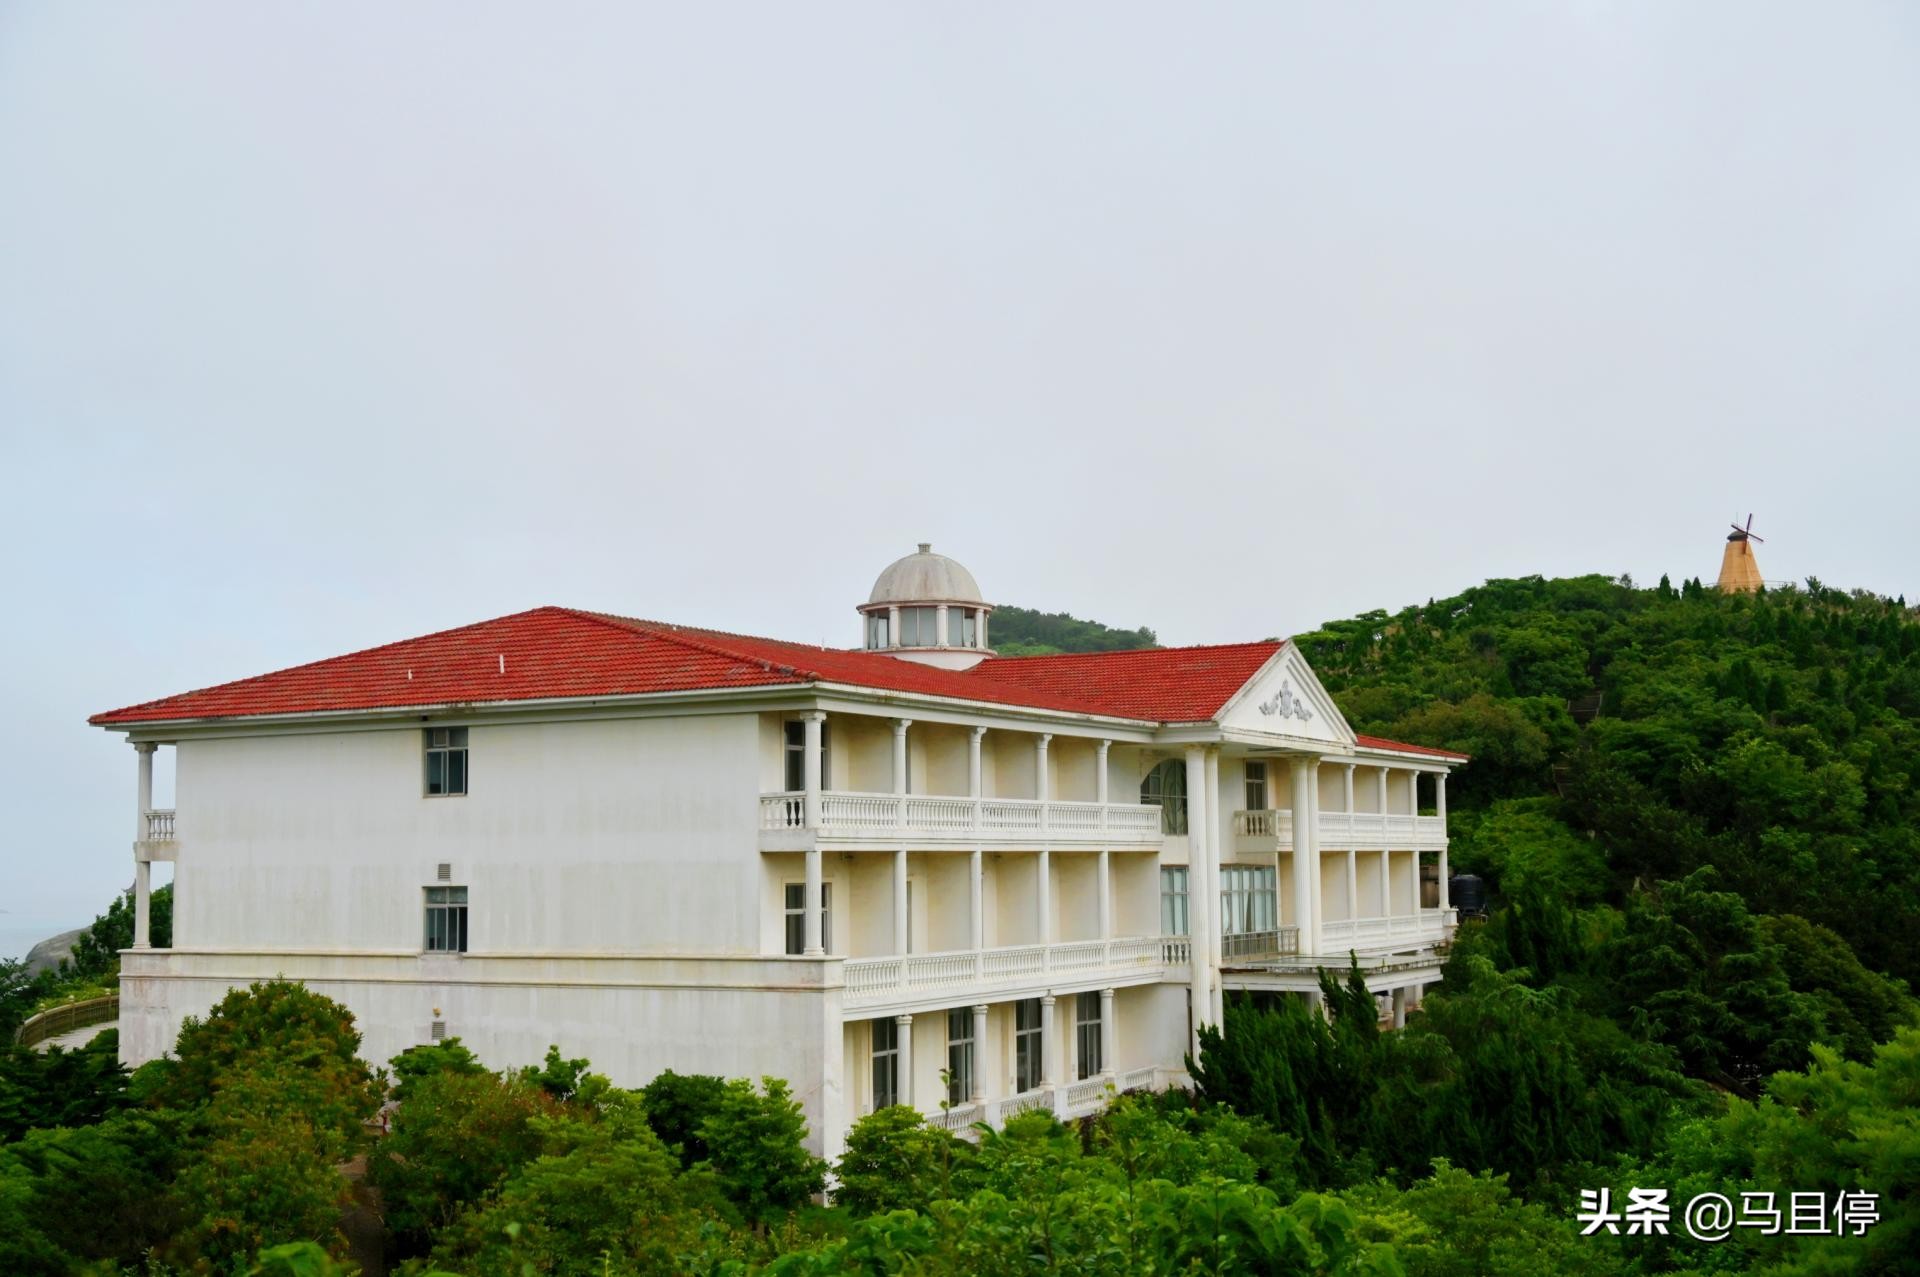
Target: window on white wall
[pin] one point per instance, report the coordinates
(1086, 1034)
(1173, 900)
(446, 760)
(1256, 785)
(446, 920)
(797, 757)
(960, 1055)
(1027, 1045)
(796, 917)
(876, 629)
(1166, 788)
(886, 1062)
(1247, 900)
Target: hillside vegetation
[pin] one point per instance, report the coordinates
(1773, 737)
(1019, 631)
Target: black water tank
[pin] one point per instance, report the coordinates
(1468, 894)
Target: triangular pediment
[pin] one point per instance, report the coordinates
(1286, 699)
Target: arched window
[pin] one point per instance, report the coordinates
(1166, 788)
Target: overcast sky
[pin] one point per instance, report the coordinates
(323, 329)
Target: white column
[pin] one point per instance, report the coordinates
(1047, 1045)
(1217, 930)
(1100, 771)
(980, 626)
(810, 770)
(1386, 884)
(1413, 793)
(1302, 777)
(1383, 791)
(1109, 1038)
(1399, 1008)
(1200, 975)
(1041, 789)
(1313, 860)
(1440, 809)
(903, 1034)
(973, 771)
(142, 867)
(900, 726)
(1106, 894)
(980, 1054)
(975, 894)
(900, 901)
(1353, 885)
(893, 627)
(1043, 893)
(1348, 768)
(142, 904)
(940, 623)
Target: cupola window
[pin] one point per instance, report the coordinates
(876, 630)
(963, 627)
(919, 627)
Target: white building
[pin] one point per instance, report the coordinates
(1038, 874)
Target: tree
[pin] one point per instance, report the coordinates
(454, 1140)
(756, 1145)
(678, 1105)
(604, 1191)
(895, 1161)
(271, 1023)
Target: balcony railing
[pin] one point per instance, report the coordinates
(1251, 946)
(982, 971)
(1364, 935)
(1344, 830)
(1066, 1099)
(888, 816)
(160, 825)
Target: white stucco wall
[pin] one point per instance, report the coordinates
(608, 836)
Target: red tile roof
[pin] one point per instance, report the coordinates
(554, 653)
(1165, 684)
(1381, 742)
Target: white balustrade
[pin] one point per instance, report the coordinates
(1083, 1096)
(160, 825)
(1340, 830)
(1032, 1101)
(885, 815)
(1137, 1079)
(970, 971)
(959, 1117)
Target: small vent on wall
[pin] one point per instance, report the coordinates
(445, 873)
(439, 1030)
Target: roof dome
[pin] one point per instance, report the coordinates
(925, 577)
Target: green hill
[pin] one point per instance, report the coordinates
(1019, 631)
(1772, 737)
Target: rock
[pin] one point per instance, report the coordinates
(52, 951)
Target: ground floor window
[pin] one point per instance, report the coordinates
(886, 1062)
(1086, 1034)
(796, 913)
(1028, 1044)
(446, 920)
(960, 1055)
(1173, 900)
(1247, 899)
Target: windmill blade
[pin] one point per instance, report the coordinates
(1760, 539)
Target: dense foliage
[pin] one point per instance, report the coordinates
(1772, 736)
(1019, 631)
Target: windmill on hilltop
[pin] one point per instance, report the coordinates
(1739, 574)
